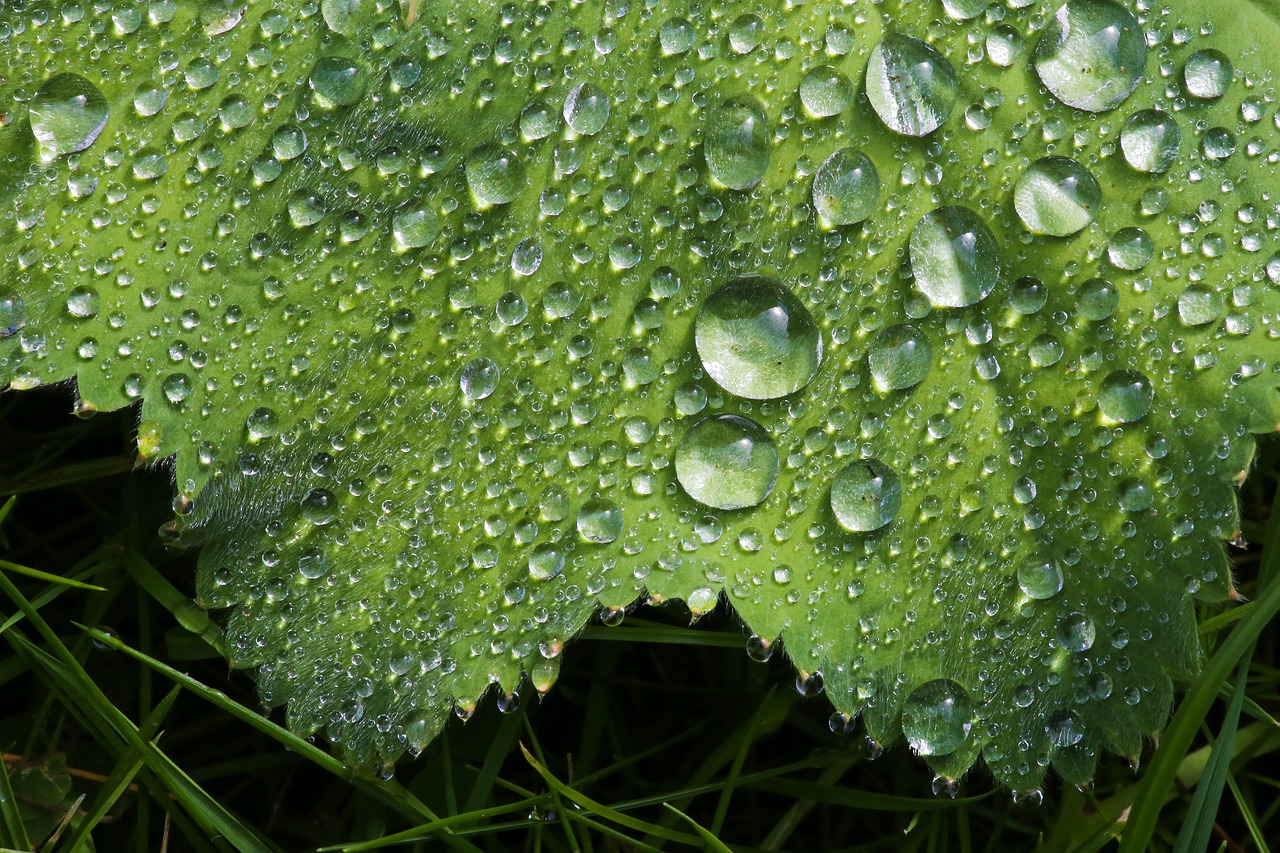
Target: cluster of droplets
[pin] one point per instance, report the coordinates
(763, 336)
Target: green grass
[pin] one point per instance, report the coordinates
(658, 735)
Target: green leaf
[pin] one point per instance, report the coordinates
(463, 322)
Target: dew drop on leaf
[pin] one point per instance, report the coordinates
(846, 188)
(1039, 579)
(911, 86)
(866, 495)
(67, 114)
(727, 462)
(1057, 197)
(1208, 74)
(1092, 55)
(738, 143)
(937, 717)
(757, 340)
(1125, 396)
(825, 91)
(955, 257)
(900, 357)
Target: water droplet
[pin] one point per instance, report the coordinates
(337, 81)
(479, 378)
(13, 312)
(600, 521)
(745, 32)
(1150, 141)
(911, 86)
(865, 496)
(955, 257)
(288, 141)
(1219, 143)
(1208, 74)
(494, 176)
(937, 717)
(177, 387)
(1092, 55)
(738, 143)
(1056, 196)
(1098, 300)
(67, 114)
(83, 302)
(1004, 45)
(727, 462)
(757, 340)
(1125, 396)
(1199, 304)
(586, 109)
(1076, 633)
(825, 91)
(320, 507)
(1039, 580)
(1130, 249)
(676, 35)
(1045, 351)
(262, 423)
(1028, 295)
(546, 561)
(846, 188)
(900, 357)
(538, 121)
(414, 225)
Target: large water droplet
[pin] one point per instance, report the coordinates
(600, 521)
(67, 114)
(738, 143)
(1199, 304)
(757, 340)
(1125, 396)
(911, 86)
(495, 176)
(1092, 55)
(900, 357)
(955, 257)
(937, 717)
(1056, 196)
(866, 495)
(337, 81)
(825, 91)
(586, 109)
(479, 378)
(727, 462)
(1040, 579)
(1150, 141)
(1208, 74)
(414, 225)
(846, 188)
(1076, 633)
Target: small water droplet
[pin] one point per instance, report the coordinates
(900, 357)
(1039, 579)
(825, 91)
(600, 521)
(495, 176)
(1125, 396)
(846, 188)
(337, 81)
(586, 109)
(738, 143)
(1076, 632)
(479, 378)
(67, 114)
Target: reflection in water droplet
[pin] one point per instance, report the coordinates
(757, 340)
(937, 717)
(738, 143)
(337, 81)
(676, 35)
(414, 225)
(1125, 396)
(1199, 304)
(600, 521)
(1150, 141)
(494, 176)
(1056, 196)
(1098, 300)
(13, 312)
(586, 109)
(1076, 633)
(825, 91)
(1130, 249)
(1208, 74)
(865, 496)
(846, 188)
(83, 302)
(727, 462)
(1092, 55)
(320, 507)
(1134, 495)
(1039, 580)
(955, 257)
(900, 357)
(911, 86)
(1004, 45)
(546, 561)
(67, 114)
(479, 378)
